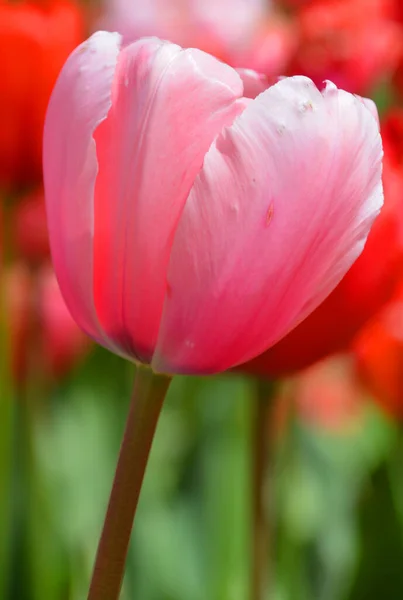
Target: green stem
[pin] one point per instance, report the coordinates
(260, 459)
(148, 396)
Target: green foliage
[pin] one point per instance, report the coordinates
(336, 499)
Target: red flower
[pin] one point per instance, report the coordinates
(379, 355)
(35, 307)
(327, 395)
(354, 43)
(35, 40)
(30, 228)
(63, 342)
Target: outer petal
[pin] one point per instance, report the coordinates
(371, 106)
(278, 214)
(80, 101)
(168, 106)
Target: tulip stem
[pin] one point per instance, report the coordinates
(260, 460)
(148, 396)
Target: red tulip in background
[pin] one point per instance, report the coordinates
(326, 395)
(58, 340)
(355, 43)
(191, 227)
(64, 343)
(379, 356)
(1, 236)
(30, 231)
(368, 285)
(16, 289)
(35, 40)
(379, 346)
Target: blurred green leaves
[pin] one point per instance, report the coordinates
(337, 496)
(6, 448)
(320, 476)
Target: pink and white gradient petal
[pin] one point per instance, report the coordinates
(79, 103)
(168, 105)
(279, 212)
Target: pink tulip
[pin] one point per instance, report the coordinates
(242, 33)
(192, 227)
(230, 22)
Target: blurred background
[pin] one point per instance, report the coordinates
(334, 484)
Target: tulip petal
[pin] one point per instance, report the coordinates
(168, 106)
(371, 106)
(80, 101)
(278, 214)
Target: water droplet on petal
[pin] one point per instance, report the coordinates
(280, 128)
(305, 105)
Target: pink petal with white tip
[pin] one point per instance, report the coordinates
(279, 212)
(168, 106)
(80, 101)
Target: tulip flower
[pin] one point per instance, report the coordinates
(16, 297)
(64, 344)
(31, 300)
(392, 135)
(35, 40)
(192, 227)
(30, 233)
(326, 396)
(1, 233)
(196, 215)
(355, 43)
(378, 350)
